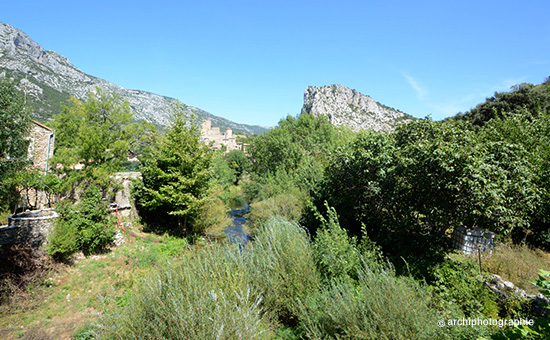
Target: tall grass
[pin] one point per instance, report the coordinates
(221, 292)
(516, 263)
(208, 296)
(282, 267)
(379, 306)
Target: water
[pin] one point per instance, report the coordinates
(235, 232)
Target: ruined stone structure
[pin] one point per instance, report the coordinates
(216, 139)
(41, 145)
(123, 198)
(30, 227)
(40, 151)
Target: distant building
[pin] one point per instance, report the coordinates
(213, 137)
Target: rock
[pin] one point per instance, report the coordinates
(508, 285)
(54, 79)
(495, 278)
(347, 107)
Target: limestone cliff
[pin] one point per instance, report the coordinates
(49, 79)
(344, 106)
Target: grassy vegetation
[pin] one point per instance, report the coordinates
(518, 264)
(68, 297)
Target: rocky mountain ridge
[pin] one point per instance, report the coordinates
(49, 79)
(344, 106)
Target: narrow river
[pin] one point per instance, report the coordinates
(236, 231)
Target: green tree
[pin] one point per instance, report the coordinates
(412, 187)
(86, 226)
(527, 97)
(15, 122)
(532, 132)
(239, 162)
(98, 135)
(176, 175)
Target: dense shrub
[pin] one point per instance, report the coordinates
(207, 297)
(410, 188)
(86, 226)
(335, 253)
(380, 306)
(457, 285)
(287, 205)
(281, 267)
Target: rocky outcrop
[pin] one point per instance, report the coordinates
(344, 106)
(49, 79)
(505, 289)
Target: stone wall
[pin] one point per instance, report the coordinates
(30, 227)
(123, 197)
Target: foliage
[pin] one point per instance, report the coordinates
(541, 327)
(207, 297)
(176, 176)
(220, 292)
(287, 205)
(33, 181)
(86, 226)
(15, 120)
(532, 132)
(526, 97)
(380, 306)
(282, 268)
(98, 136)
(298, 147)
(412, 187)
(212, 216)
(239, 162)
(221, 171)
(335, 253)
(457, 284)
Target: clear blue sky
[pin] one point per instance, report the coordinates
(250, 61)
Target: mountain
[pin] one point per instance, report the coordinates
(49, 79)
(344, 106)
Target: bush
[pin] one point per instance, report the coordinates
(208, 297)
(457, 285)
(213, 217)
(380, 306)
(86, 226)
(336, 253)
(281, 267)
(288, 205)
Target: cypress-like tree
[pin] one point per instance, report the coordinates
(176, 176)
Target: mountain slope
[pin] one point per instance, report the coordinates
(49, 79)
(344, 106)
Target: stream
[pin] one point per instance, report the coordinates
(236, 232)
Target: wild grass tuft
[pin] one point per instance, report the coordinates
(282, 267)
(208, 296)
(516, 263)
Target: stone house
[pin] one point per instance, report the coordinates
(40, 151)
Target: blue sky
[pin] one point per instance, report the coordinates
(250, 61)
